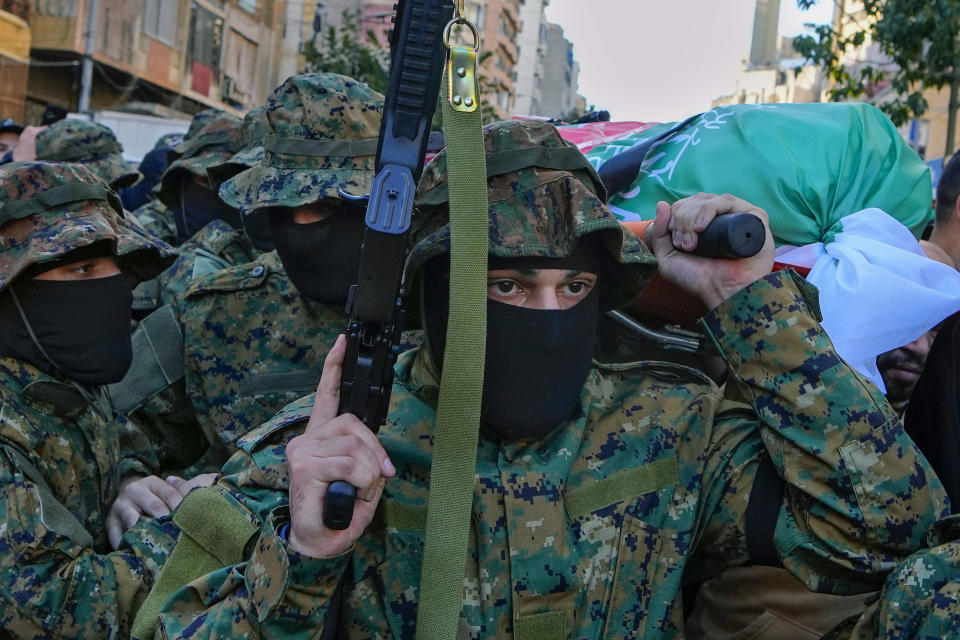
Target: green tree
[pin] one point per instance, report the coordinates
(342, 52)
(920, 39)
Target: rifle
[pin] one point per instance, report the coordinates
(374, 304)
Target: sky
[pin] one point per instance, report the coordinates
(663, 60)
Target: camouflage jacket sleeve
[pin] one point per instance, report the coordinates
(52, 585)
(138, 453)
(277, 592)
(859, 496)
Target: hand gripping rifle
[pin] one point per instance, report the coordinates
(374, 304)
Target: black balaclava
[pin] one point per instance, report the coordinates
(199, 206)
(256, 226)
(83, 326)
(321, 258)
(536, 360)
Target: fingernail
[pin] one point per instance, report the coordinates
(171, 480)
(388, 466)
(687, 239)
(699, 222)
(670, 225)
(677, 238)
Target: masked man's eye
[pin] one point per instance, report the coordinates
(84, 268)
(577, 287)
(503, 287)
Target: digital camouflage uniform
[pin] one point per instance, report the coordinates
(91, 144)
(153, 392)
(591, 531)
(216, 246)
(921, 597)
(252, 343)
(157, 220)
(156, 217)
(255, 128)
(60, 456)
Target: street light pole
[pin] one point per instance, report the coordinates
(86, 72)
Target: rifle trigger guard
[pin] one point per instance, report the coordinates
(349, 196)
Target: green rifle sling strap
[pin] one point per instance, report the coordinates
(458, 410)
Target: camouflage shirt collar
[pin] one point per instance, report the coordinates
(40, 390)
(415, 371)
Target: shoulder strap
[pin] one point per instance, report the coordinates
(214, 530)
(157, 360)
(763, 508)
(54, 516)
(458, 409)
(207, 262)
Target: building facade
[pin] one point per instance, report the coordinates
(533, 48)
(14, 57)
(498, 22)
(172, 58)
(769, 74)
(561, 71)
(160, 56)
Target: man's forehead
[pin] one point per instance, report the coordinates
(535, 274)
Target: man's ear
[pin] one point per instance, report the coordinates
(956, 211)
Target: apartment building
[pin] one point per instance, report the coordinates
(14, 57)
(164, 57)
(499, 24)
(769, 73)
(561, 72)
(533, 47)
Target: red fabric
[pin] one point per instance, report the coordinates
(779, 266)
(589, 135)
(202, 75)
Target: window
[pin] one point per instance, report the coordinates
(240, 64)
(479, 17)
(501, 62)
(506, 27)
(160, 20)
(206, 38)
(250, 6)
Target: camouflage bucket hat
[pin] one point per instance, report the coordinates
(49, 209)
(543, 197)
(322, 137)
(168, 140)
(215, 141)
(254, 128)
(91, 144)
